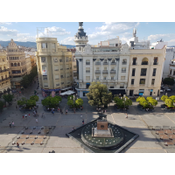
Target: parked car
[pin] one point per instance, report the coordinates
(161, 90)
(168, 90)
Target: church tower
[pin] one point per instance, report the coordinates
(81, 38)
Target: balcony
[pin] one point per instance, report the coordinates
(124, 63)
(98, 72)
(87, 63)
(105, 63)
(87, 71)
(155, 63)
(97, 63)
(105, 72)
(113, 71)
(134, 63)
(113, 63)
(144, 63)
(4, 79)
(123, 71)
(4, 70)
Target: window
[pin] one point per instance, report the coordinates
(87, 62)
(154, 72)
(56, 68)
(45, 85)
(105, 68)
(122, 86)
(61, 60)
(170, 71)
(56, 77)
(123, 69)
(67, 59)
(44, 45)
(62, 82)
(62, 76)
(124, 61)
(145, 61)
(11, 64)
(132, 81)
(55, 59)
(44, 77)
(142, 81)
(134, 61)
(61, 67)
(153, 81)
(43, 59)
(97, 78)
(143, 72)
(87, 69)
(112, 78)
(155, 61)
(133, 72)
(104, 78)
(174, 73)
(87, 77)
(122, 77)
(57, 84)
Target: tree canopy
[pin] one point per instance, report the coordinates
(51, 102)
(74, 102)
(34, 97)
(8, 98)
(122, 103)
(99, 95)
(169, 101)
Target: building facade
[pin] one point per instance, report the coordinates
(54, 65)
(4, 72)
(172, 69)
(125, 69)
(17, 64)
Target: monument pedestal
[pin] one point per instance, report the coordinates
(102, 133)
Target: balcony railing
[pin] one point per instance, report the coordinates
(105, 72)
(124, 63)
(98, 72)
(87, 71)
(144, 63)
(113, 63)
(87, 63)
(4, 79)
(4, 70)
(105, 63)
(155, 63)
(134, 63)
(97, 63)
(113, 71)
(123, 71)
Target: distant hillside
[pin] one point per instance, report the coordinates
(27, 44)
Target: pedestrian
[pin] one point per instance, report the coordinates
(73, 128)
(81, 115)
(105, 111)
(66, 111)
(17, 144)
(74, 110)
(36, 111)
(10, 125)
(36, 120)
(26, 116)
(83, 121)
(29, 115)
(42, 115)
(126, 115)
(23, 116)
(16, 107)
(58, 109)
(53, 112)
(82, 107)
(13, 124)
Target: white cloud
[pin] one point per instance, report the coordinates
(169, 37)
(25, 37)
(111, 30)
(8, 32)
(5, 23)
(68, 40)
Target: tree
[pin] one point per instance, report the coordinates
(122, 103)
(1, 105)
(30, 103)
(34, 97)
(99, 95)
(8, 98)
(51, 102)
(71, 103)
(168, 81)
(22, 102)
(169, 103)
(164, 97)
(79, 102)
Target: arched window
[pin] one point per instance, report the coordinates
(11, 64)
(145, 61)
(14, 64)
(18, 64)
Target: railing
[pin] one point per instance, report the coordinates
(105, 72)
(144, 63)
(113, 63)
(124, 63)
(87, 63)
(87, 71)
(113, 71)
(4, 79)
(97, 71)
(56, 69)
(134, 63)
(155, 63)
(97, 63)
(142, 74)
(123, 71)
(105, 63)
(4, 70)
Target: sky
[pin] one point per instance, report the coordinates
(96, 31)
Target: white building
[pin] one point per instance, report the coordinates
(132, 69)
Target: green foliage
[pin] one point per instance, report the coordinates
(70, 97)
(34, 97)
(169, 103)
(30, 103)
(122, 103)
(71, 103)
(22, 102)
(168, 81)
(79, 102)
(51, 102)
(27, 79)
(164, 97)
(1, 105)
(149, 102)
(8, 98)
(99, 95)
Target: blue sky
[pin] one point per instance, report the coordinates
(97, 31)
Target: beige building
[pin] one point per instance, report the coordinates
(146, 68)
(19, 66)
(54, 64)
(4, 72)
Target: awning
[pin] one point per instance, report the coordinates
(67, 93)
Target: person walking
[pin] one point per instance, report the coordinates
(83, 121)
(26, 116)
(13, 124)
(42, 115)
(17, 144)
(53, 112)
(29, 115)
(23, 116)
(36, 121)
(66, 111)
(81, 115)
(126, 115)
(10, 125)
(16, 107)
